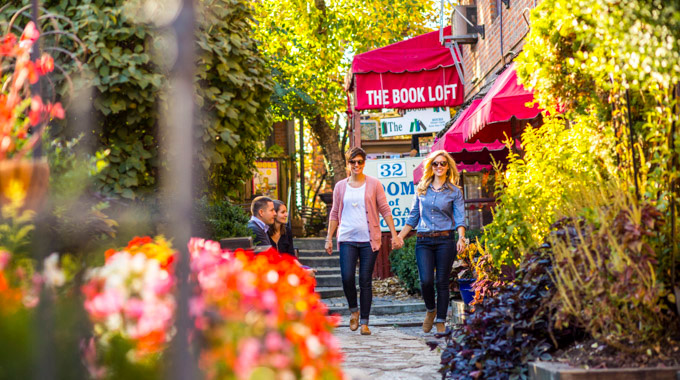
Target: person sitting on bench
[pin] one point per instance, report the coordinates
(263, 214)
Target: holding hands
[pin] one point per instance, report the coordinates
(397, 242)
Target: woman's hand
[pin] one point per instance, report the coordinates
(461, 244)
(329, 247)
(397, 242)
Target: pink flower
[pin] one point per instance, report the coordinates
(163, 285)
(196, 306)
(104, 304)
(249, 351)
(134, 308)
(279, 361)
(273, 342)
(4, 259)
(29, 36)
(269, 300)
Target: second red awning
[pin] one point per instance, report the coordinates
(506, 100)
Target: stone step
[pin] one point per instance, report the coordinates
(310, 243)
(389, 309)
(329, 280)
(318, 262)
(316, 253)
(325, 271)
(329, 292)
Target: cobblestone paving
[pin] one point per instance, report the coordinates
(391, 352)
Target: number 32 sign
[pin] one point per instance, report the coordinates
(392, 169)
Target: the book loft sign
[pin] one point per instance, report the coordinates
(415, 121)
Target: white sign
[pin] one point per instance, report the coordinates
(420, 120)
(396, 176)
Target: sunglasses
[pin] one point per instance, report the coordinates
(442, 164)
(356, 162)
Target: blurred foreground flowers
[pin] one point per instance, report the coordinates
(256, 316)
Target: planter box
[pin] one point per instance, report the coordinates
(561, 371)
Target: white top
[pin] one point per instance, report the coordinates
(353, 222)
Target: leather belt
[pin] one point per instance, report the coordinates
(434, 233)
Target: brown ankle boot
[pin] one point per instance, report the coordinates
(429, 320)
(441, 327)
(354, 321)
(365, 330)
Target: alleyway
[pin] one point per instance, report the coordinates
(396, 350)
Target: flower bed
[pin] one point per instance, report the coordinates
(255, 315)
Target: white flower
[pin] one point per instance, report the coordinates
(52, 274)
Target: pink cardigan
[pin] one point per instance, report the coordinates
(375, 200)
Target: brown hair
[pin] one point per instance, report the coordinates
(356, 151)
(277, 206)
(258, 204)
(350, 154)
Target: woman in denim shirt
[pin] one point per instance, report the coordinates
(437, 212)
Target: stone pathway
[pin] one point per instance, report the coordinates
(396, 350)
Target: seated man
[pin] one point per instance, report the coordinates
(263, 214)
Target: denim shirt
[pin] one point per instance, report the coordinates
(438, 210)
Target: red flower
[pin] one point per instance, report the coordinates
(45, 64)
(55, 110)
(7, 44)
(109, 252)
(35, 114)
(139, 241)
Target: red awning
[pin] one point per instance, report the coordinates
(468, 156)
(415, 73)
(505, 100)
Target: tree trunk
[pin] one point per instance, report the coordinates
(329, 141)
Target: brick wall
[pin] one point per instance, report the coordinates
(280, 136)
(483, 59)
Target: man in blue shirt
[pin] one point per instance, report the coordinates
(263, 214)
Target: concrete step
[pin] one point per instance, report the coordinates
(316, 253)
(329, 280)
(390, 309)
(329, 292)
(311, 243)
(318, 262)
(325, 271)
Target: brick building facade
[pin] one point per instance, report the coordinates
(484, 58)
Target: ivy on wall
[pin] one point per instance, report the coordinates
(126, 64)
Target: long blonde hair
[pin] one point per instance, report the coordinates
(452, 175)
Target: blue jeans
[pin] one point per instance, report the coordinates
(349, 253)
(435, 253)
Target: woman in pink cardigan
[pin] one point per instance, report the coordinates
(357, 201)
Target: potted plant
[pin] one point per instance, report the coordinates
(464, 271)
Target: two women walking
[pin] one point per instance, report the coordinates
(437, 212)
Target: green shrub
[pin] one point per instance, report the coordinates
(473, 235)
(221, 219)
(123, 61)
(403, 263)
